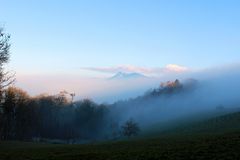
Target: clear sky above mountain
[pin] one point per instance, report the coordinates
(64, 36)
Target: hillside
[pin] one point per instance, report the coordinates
(215, 138)
(216, 125)
(224, 123)
(206, 123)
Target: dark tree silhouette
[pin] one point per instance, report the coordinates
(4, 47)
(130, 128)
(6, 78)
(15, 113)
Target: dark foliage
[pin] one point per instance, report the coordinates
(130, 128)
(53, 117)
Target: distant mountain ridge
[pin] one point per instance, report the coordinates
(123, 75)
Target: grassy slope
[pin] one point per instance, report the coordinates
(210, 122)
(216, 138)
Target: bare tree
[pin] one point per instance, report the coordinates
(130, 128)
(6, 78)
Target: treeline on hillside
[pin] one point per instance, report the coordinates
(172, 87)
(55, 117)
(165, 89)
(152, 106)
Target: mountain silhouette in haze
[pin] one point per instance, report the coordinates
(123, 75)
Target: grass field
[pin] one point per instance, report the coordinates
(216, 138)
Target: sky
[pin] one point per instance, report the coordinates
(76, 37)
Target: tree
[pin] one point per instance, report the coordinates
(15, 112)
(130, 128)
(4, 47)
(6, 78)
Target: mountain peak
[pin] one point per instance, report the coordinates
(123, 75)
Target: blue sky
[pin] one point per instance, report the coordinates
(60, 36)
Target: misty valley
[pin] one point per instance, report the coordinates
(59, 119)
(162, 117)
(120, 80)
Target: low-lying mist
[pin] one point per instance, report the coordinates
(201, 92)
(101, 90)
(145, 100)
